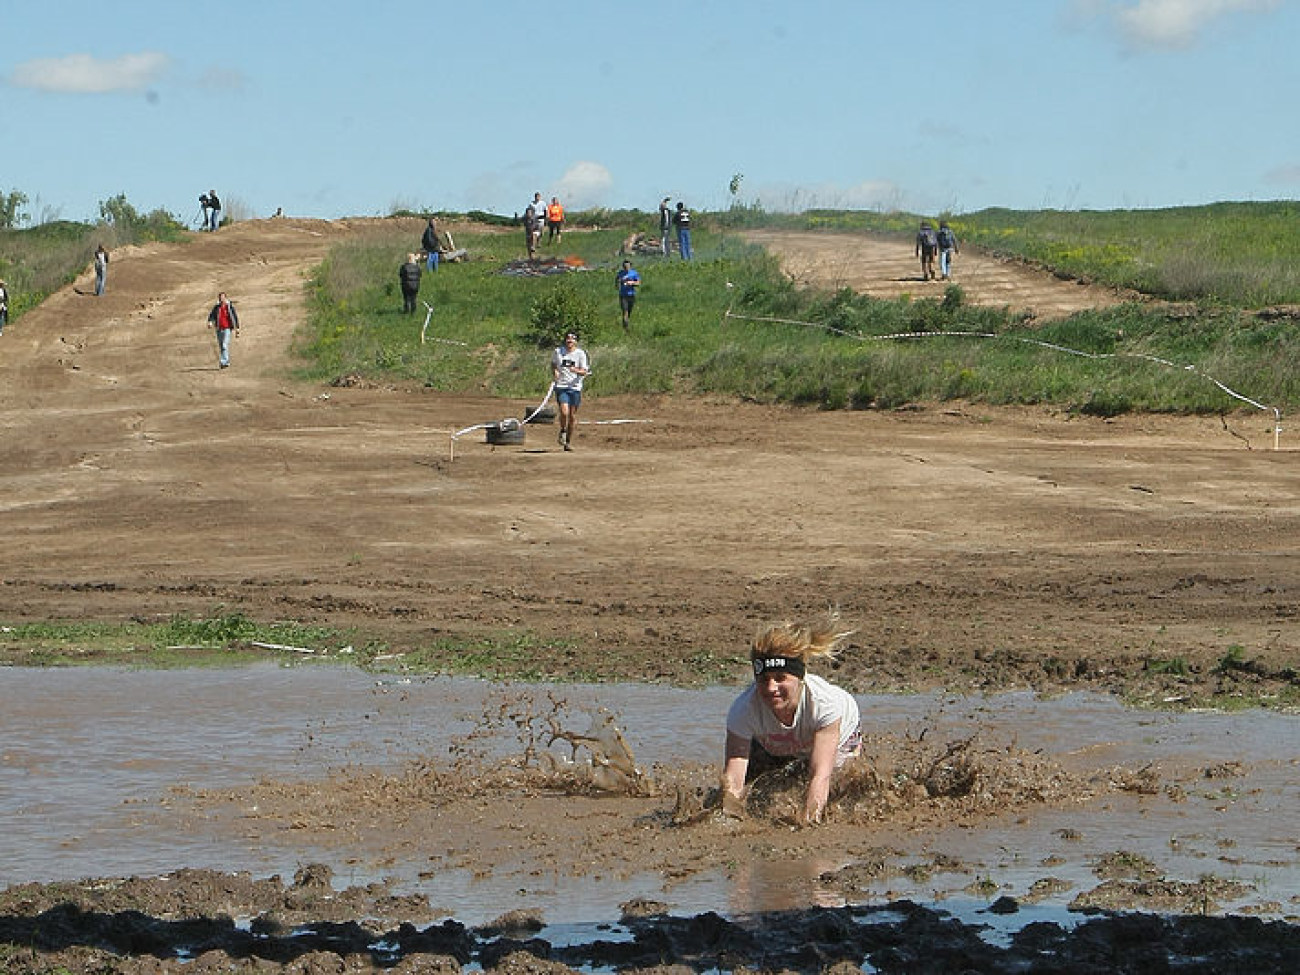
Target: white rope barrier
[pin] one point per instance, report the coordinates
(425, 327)
(510, 423)
(1277, 413)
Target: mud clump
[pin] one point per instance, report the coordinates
(100, 926)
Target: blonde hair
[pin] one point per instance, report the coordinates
(799, 641)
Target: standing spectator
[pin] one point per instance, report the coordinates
(224, 319)
(627, 280)
(947, 248)
(569, 366)
(665, 227)
(530, 238)
(214, 210)
(408, 276)
(682, 220)
(431, 246)
(4, 307)
(101, 270)
(554, 219)
(535, 223)
(927, 245)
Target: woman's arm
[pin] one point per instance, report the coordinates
(733, 772)
(821, 765)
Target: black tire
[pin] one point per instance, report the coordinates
(544, 415)
(511, 436)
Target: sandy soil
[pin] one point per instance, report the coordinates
(970, 548)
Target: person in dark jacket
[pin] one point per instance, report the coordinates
(682, 220)
(408, 275)
(430, 244)
(211, 210)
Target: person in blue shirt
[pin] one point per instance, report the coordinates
(627, 280)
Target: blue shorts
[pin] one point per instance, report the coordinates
(569, 397)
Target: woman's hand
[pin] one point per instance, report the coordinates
(821, 764)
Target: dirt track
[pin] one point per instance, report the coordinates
(890, 270)
(970, 547)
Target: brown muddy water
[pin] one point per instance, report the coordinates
(88, 756)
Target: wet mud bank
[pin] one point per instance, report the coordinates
(201, 921)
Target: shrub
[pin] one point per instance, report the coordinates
(562, 309)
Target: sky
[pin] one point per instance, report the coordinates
(348, 108)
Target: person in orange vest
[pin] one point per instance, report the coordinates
(554, 219)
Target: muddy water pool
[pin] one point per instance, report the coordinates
(84, 751)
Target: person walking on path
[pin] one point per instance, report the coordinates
(4, 307)
(554, 219)
(927, 246)
(665, 227)
(432, 249)
(226, 321)
(627, 280)
(101, 270)
(788, 713)
(408, 276)
(948, 247)
(682, 220)
(569, 367)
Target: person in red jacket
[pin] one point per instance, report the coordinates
(224, 319)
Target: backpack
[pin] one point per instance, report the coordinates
(947, 239)
(928, 239)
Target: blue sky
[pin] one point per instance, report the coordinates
(340, 108)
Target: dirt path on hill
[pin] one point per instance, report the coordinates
(888, 269)
(971, 548)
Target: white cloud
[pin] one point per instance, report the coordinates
(1170, 24)
(83, 74)
(221, 78)
(1288, 175)
(584, 185)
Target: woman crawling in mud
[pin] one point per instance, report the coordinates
(788, 713)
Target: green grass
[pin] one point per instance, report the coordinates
(176, 642)
(491, 333)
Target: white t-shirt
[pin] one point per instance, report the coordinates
(821, 704)
(565, 362)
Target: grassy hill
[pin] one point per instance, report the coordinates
(1142, 356)
(490, 331)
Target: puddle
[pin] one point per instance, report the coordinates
(89, 755)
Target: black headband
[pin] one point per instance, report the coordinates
(791, 665)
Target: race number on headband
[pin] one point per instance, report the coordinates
(791, 665)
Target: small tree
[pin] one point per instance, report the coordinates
(11, 205)
(560, 310)
(118, 212)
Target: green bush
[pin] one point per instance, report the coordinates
(562, 309)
